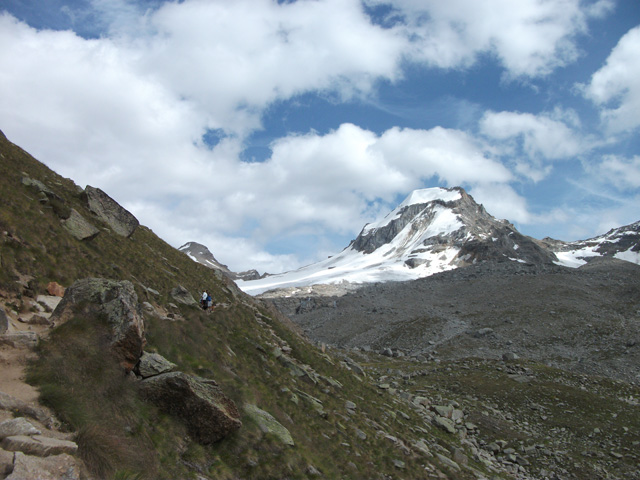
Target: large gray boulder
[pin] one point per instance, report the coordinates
(118, 302)
(111, 212)
(79, 227)
(268, 424)
(182, 295)
(152, 364)
(199, 403)
(38, 445)
(17, 426)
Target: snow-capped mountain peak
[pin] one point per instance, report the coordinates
(431, 231)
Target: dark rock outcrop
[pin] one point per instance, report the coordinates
(199, 403)
(118, 302)
(109, 211)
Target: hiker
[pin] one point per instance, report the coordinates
(209, 301)
(204, 299)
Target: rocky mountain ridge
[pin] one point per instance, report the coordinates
(201, 254)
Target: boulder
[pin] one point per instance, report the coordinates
(4, 321)
(182, 295)
(510, 357)
(444, 424)
(118, 302)
(38, 445)
(268, 424)
(152, 364)
(17, 426)
(79, 227)
(199, 403)
(57, 467)
(109, 211)
(49, 302)
(55, 289)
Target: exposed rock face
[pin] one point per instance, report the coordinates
(79, 227)
(119, 303)
(109, 211)
(208, 414)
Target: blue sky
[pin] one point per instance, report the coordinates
(273, 131)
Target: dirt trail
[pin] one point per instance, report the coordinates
(16, 351)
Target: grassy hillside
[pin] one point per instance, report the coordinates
(239, 345)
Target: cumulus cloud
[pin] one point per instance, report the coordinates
(620, 171)
(529, 37)
(235, 58)
(540, 135)
(615, 87)
(127, 110)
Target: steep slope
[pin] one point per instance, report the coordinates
(431, 231)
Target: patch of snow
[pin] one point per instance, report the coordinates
(427, 195)
(416, 197)
(629, 256)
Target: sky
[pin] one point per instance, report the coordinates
(273, 131)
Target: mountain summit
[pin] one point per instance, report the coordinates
(431, 231)
(201, 254)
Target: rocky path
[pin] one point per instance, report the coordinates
(31, 444)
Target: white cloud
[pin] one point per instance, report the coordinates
(234, 58)
(529, 37)
(540, 135)
(615, 88)
(623, 173)
(126, 111)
